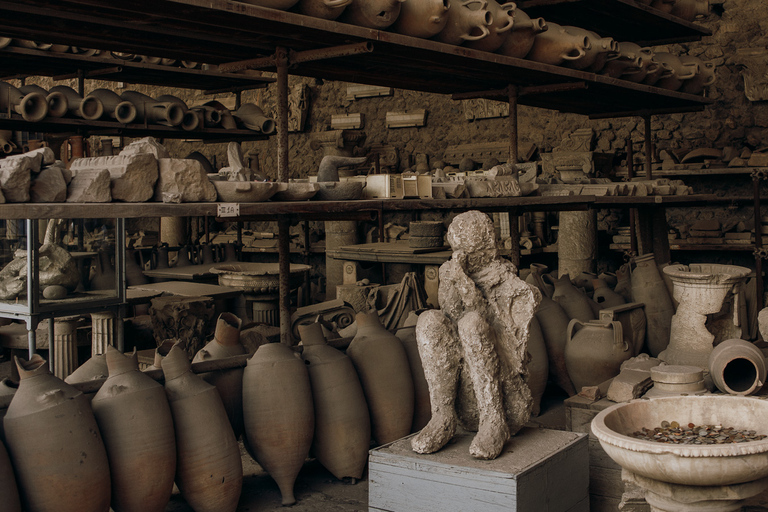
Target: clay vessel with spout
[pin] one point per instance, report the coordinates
(468, 20)
(556, 46)
(703, 78)
(503, 21)
(33, 107)
(647, 63)
(253, 118)
(58, 106)
(153, 111)
(114, 106)
(325, 9)
(681, 71)
(422, 18)
(520, 39)
(689, 9)
(90, 109)
(601, 49)
(378, 14)
(191, 119)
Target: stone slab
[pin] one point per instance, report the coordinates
(133, 176)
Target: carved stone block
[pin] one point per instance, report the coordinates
(133, 176)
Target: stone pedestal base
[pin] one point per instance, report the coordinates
(65, 346)
(576, 243)
(102, 332)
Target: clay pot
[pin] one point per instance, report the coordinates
(538, 366)
(704, 78)
(680, 71)
(627, 61)
(422, 18)
(378, 14)
(73, 148)
(503, 20)
(556, 46)
(584, 281)
(58, 106)
(254, 119)
(645, 63)
(90, 108)
(104, 273)
(191, 120)
(689, 9)
(94, 368)
(539, 277)
(229, 383)
(604, 296)
(325, 9)
(648, 287)
(209, 472)
(422, 411)
(152, 111)
(553, 322)
(8, 490)
(737, 367)
(600, 50)
(342, 424)
(279, 415)
(133, 272)
(574, 302)
(114, 106)
(135, 421)
(468, 20)
(656, 73)
(54, 443)
(520, 40)
(595, 351)
(33, 107)
(382, 365)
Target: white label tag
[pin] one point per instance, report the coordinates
(228, 210)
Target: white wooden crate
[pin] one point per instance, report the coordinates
(540, 470)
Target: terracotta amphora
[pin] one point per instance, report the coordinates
(94, 368)
(342, 424)
(134, 274)
(115, 107)
(689, 9)
(556, 46)
(90, 109)
(8, 490)
(229, 383)
(648, 287)
(503, 21)
(279, 414)
(378, 14)
(737, 367)
(539, 278)
(575, 303)
(627, 61)
(553, 322)
(55, 445)
(33, 106)
(422, 18)
(604, 296)
(182, 257)
(152, 111)
(253, 118)
(646, 62)
(595, 351)
(382, 364)
(207, 255)
(422, 410)
(520, 40)
(57, 102)
(209, 472)
(191, 120)
(325, 9)
(468, 20)
(538, 366)
(161, 257)
(680, 71)
(136, 424)
(703, 78)
(657, 72)
(600, 50)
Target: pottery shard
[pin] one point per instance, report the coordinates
(133, 176)
(15, 178)
(39, 157)
(49, 186)
(146, 145)
(183, 180)
(90, 186)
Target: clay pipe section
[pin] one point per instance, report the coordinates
(57, 102)
(33, 107)
(153, 111)
(191, 120)
(114, 106)
(90, 108)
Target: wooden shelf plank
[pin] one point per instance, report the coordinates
(714, 171)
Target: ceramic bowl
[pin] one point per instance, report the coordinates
(244, 191)
(295, 191)
(340, 190)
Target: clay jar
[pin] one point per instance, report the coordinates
(624, 282)
(680, 71)
(553, 322)
(422, 18)
(663, 5)
(422, 410)
(57, 102)
(604, 296)
(737, 367)
(54, 444)
(503, 20)
(538, 366)
(520, 39)
(325, 9)
(378, 14)
(382, 364)
(342, 425)
(209, 472)
(114, 106)
(468, 20)
(135, 421)
(574, 302)
(689, 9)
(229, 383)
(703, 78)
(555, 46)
(8, 490)
(648, 287)
(646, 62)
(595, 351)
(279, 415)
(600, 50)
(152, 111)
(87, 108)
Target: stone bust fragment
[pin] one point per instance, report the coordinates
(474, 348)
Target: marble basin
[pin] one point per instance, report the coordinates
(295, 191)
(691, 465)
(340, 190)
(244, 191)
(258, 278)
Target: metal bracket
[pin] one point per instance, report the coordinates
(760, 174)
(295, 58)
(761, 253)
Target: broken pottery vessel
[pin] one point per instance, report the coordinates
(90, 108)
(553, 321)
(648, 287)
(57, 101)
(115, 107)
(325, 9)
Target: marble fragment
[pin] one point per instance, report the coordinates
(90, 186)
(183, 180)
(49, 186)
(15, 179)
(133, 176)
(146, 145)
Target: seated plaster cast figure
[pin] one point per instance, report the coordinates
(474, 349)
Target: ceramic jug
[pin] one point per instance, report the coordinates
(57, 102)
(342, 424)
(207, 255)
(378, 14)
(646, 62)
(538, 366)
(279, 414)
(737, 367)
(55, 445)
(152, 111)
(209, 472)
(604, 296)
(648, 287)
(229, 383)
(600, 50)
(689, 9)
(382, 364)
(503, 20)
(182, 257)
(704, 78)
(90, 109)
(680, 71)
(325, 9)
(75, 147)
(114, 106)
(468, 20)
(553, 322)
(136, 424)
(555, 46)
(520, 39)
(8, 490)
(33, 107)
(422, 18)
(595, 351)
(422, 411)
(575, 303)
